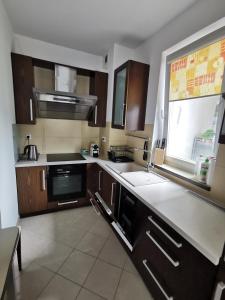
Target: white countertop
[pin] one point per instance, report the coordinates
(199, 222)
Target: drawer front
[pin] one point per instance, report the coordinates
(181, 271)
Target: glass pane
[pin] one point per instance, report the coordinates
(63, 185)
(119, 96)
(192, 128)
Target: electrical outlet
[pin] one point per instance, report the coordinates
(28, 136)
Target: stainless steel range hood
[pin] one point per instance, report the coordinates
(64, 103)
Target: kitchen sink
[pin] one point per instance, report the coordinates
(141, 178)
(125, 167)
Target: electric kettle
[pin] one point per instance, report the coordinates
(30, 152)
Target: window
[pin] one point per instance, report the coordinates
(192, 128)
(195, 107)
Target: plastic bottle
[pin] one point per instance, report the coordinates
(199, 162)
(212, 164)
(204, 170)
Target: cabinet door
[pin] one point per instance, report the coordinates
(219, 292)
(92, 181)
(32, 189)
(119, 102)
(23, 81)
(130, 96)
(109, 190)
(99, 87)
(137, 88)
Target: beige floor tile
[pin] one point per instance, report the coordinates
(131, 287)
(53, 255)
(103, 279)
(87, 295)
(31, 282)
(77, 267)
(91, 244)
(113, 252)
(60, 289)
(68, 235)
(101, 228)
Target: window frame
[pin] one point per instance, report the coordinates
(176, 162)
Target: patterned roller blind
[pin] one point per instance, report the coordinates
(199, 73)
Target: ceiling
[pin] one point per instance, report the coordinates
(92, 25)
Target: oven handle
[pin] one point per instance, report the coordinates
(63, 172)
(68, 202)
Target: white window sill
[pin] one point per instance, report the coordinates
(189, 177)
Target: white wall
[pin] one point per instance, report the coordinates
(8, 194)
(198, 16)
(47, 51)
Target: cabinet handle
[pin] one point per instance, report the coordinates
(219, 291)
(174, 263)
(112, 192)
(66, 203)
(96, 114)
(156, 281)
(123, 115)
(31, 110)
(43, 180)
(94, 207)
(99, 180)
(178, 245)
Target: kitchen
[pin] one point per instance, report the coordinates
(112, 178)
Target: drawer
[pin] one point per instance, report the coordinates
(171, 267)
(160, 266)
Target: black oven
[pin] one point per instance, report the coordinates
(66, 182)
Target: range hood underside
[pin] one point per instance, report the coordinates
(58, 110)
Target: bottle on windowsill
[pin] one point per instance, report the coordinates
(204, 170)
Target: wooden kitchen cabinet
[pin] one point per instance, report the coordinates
(99, 88)
(109, 191)
(23, 81)
(169, 265)
(106, 188)
(219, 292)
(130, 96)
(32, 189)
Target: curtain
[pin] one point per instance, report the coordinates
(199, 73)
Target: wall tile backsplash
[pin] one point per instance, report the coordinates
(58, 136)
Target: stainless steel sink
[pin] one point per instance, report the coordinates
(125, 167)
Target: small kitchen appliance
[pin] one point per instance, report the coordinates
(30, 152)
(94, 150)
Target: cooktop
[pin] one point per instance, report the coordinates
(64, 157)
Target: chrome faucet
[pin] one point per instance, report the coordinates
(149, 165)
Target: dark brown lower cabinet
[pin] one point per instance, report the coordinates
(109, 190)
(169, 265)
(32, 189)
(219, 293)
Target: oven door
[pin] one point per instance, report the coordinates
(66, 182)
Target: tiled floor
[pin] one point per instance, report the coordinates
(74, 254)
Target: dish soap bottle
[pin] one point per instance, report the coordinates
(204, 170)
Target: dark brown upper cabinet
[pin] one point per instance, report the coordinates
(99, 88)
(130, 95)
(23, 81)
